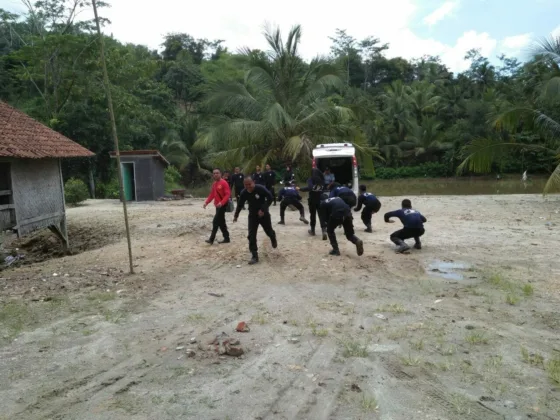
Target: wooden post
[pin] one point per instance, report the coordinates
(114, 130)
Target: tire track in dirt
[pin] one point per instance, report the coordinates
(115, 380)
(298, 398)
(465, 408)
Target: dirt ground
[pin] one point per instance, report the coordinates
(466, 328)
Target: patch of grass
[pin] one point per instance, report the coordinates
(444, 366)
(476, 338)
(362, 294)
(15, 316)
(417, 345)
(512, 299)
(460, 404)
(102, 296)
(397, 334)
(293, 322)
(534, 359)
(493, 364)
(260, 318)
(448, 351)
(87, 332)
(528, 290)
(553, 369)
(195, 317)
(369, 403)
(114, 316)
(395, 308)
(323, 332)
(354, 349)
(497, 280)
(411, 361)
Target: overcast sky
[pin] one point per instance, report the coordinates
(411, 27)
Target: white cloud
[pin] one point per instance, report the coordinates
(441, 12)
(517, 42)
(241, 24)
(556, 32)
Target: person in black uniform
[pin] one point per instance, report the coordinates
(259, 199)
(258, 176)
(371, 205)
(270, 181)
(289, 196)
(288, 175)
(336, 212)
(413, 226)
(315, 186)
(345, 193)
(237, 180)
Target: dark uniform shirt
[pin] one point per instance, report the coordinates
(334, 207)
(410, 218)
(258, 178)
(368, 200)
(259, 199)
(289, 193)
(237, 180)
(269, 179)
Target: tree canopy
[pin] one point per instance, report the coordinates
(203, 105)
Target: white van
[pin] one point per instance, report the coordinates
(340, 158)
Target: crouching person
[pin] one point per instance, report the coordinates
(289, 196)
(335, 213)
(371, 206)
(413, 226)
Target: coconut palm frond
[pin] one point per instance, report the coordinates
(553, 183)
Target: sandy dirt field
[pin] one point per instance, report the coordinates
(466, 328)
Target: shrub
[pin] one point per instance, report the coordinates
(75, 191)
(172, 178)
(107, 190)
(428, 170)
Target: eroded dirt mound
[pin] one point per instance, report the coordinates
(44, 245)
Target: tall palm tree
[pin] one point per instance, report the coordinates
(281, 111)
(482, 154)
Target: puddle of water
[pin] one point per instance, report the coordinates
(450, 270)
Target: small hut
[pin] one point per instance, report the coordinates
(31, 184)
(143, 174)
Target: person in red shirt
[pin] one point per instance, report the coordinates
(220, 193)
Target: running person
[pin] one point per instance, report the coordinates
(220, 194)
(336, 212)
(371, 205)
(259, 199)
(315, 186)
(413, 226)
(289, 196)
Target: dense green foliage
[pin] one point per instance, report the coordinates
(75, 191)
(202, 105)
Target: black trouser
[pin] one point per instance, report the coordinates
(336, 220)
(271, 189)
(349, 199)
(237, 193)
(219, 221)
(407, 233)
(313, 203)
(369, 210)
(291, 202)
(254, 222)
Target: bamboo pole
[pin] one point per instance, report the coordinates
(114, 130)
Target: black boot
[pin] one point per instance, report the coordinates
(254, 259)
(335, 252)
(209, 241)
(402, 246)
(418, 244)
(273, 242)
(324, 234)
(368, 229)
(359, 246)
(225, 241)
(311, 232)
(303, 219)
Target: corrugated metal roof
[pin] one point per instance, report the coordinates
(131, 153)
(23, 137)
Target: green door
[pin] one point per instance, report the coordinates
(128, 181)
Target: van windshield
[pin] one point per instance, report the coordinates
(341, 167)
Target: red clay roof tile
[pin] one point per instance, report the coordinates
(23, 137)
